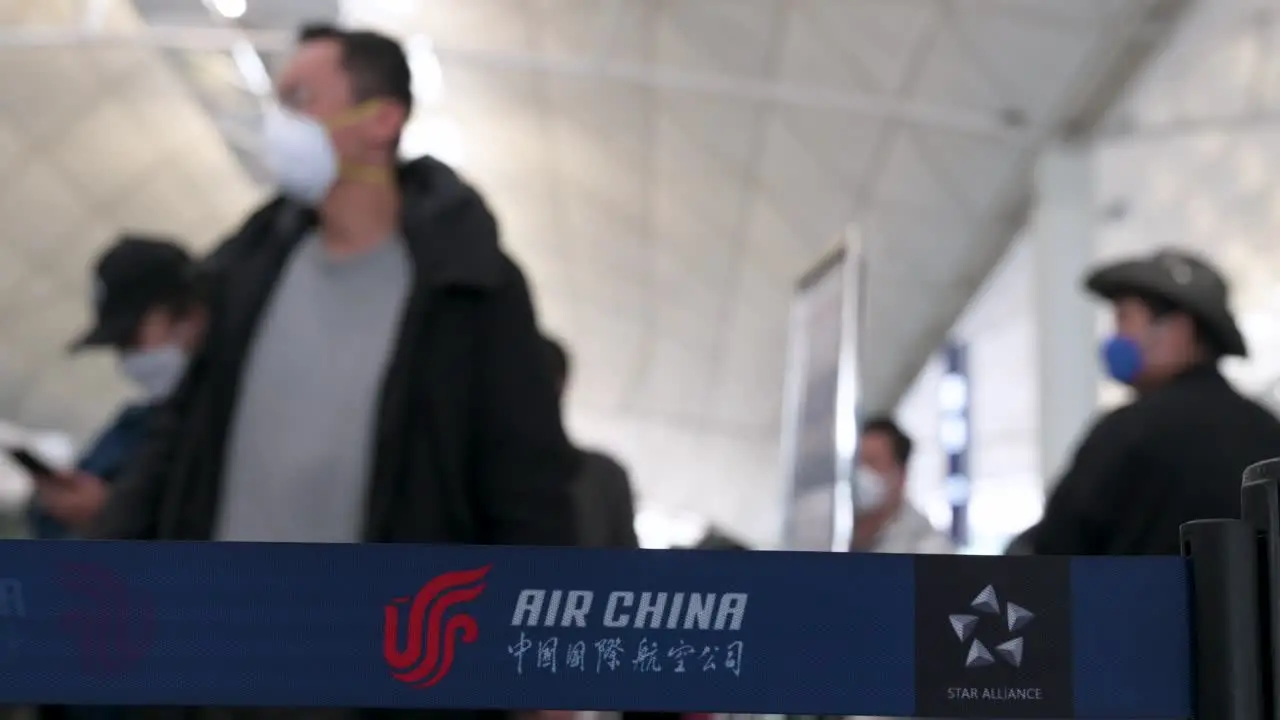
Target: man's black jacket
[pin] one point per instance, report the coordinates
(469, 442)
(1174, 455)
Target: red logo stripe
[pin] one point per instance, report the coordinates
(427, 665)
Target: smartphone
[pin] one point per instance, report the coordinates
(31, 463)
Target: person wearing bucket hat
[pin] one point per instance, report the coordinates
(146, 310)
(1176, 452)
(1171, 311)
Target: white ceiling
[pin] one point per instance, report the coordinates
(664, 170)
(98, 140)
(1199, 164)
(1191, 159)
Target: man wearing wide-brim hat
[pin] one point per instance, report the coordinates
(1176, 453)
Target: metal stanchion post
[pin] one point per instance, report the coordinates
(1226, 629)
(1260, 504)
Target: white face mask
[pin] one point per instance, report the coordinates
(157, 371)
(301, 155)
(871, 490)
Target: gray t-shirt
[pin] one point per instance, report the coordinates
(300, 449)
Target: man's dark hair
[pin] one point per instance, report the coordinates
(899, 440)
(376, 63)
(558, 358)
(185, 299)
(200, 281)
(1209, 344)
(184, 295)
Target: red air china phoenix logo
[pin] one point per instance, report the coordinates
(425, 656)
(111, 624)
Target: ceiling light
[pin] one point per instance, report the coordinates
(424, 65)
(254, 72)
(953, 393)
(439, 136)
(385, 15)
(658, 528)
(230, 9)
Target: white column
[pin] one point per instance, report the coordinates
(1062, 234)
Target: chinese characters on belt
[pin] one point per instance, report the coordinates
(611, 654)
(679, 632)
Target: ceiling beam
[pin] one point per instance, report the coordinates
(882, 107)
(93, 16)
(1191, 126)
(1132, 40)
(1149, 31)
(611, 21)
(1073, 20)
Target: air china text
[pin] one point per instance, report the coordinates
(620, 609)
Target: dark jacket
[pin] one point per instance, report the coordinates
(469, 442)
(1173, 455)
(105, 458)
(606, 507)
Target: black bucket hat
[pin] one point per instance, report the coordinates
(1181, 279)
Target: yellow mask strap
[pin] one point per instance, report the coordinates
(353, 115)
(371, 174)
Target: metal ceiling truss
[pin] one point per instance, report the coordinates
(1138, 34)
(1143, 29)
(1257, 108)
(595, 67)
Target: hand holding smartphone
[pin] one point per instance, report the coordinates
(32, 463)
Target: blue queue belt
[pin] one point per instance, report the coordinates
(397, 626)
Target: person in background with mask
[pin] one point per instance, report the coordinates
(373, 370)
(366, 322)
(1177, 451)
(603, 499)
(148, 312)
(602, 490)
(885, 521)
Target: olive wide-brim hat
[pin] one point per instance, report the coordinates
(1181, 279)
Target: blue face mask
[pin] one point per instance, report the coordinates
(1122, 357)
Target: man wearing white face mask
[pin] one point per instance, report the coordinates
(885, 520)
(373, 370)
(147, 311)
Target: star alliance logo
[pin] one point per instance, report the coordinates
(1015, 619)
